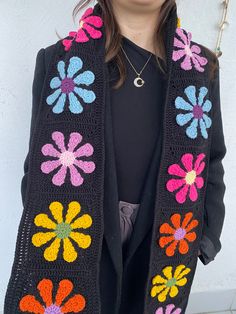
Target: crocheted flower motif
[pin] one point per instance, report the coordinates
(68, 85)
(70, 158)
(188, 179)
(74, 304)
(190, 53)
(178, 234)
(197, 108)
(62, 230)
(87, 27)
(169, 309)
(168, 284)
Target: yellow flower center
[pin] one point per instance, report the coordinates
(63, 230)
(81, 24)
(190, 177)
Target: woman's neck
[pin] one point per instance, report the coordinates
(139, 27)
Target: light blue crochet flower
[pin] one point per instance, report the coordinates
(198, 109)
(67, 85)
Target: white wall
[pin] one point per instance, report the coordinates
(25, 27)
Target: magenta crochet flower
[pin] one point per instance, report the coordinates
(187, 180)
(67, 159)
(87, 28)
(190, 53)
(170, 309)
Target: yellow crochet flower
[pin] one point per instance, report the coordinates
(178, 22)
(164, 286)
(62, 231)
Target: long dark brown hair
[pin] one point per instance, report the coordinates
(113, 36)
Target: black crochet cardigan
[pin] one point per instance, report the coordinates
(62, 224)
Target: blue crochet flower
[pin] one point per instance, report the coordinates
(198, 109)
(67, 85)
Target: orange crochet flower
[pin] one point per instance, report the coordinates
(45, 287)
(178, 235)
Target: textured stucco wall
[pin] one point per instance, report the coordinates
(25, 27)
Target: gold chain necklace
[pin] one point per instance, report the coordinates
(138, 81)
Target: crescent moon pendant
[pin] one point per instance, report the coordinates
(138, 82)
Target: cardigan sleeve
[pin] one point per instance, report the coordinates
(214, 211)
(39, 75)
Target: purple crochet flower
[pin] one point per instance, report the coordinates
(170, 309)
(190, 53)
(69, 158)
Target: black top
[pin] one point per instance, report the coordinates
(137, 116)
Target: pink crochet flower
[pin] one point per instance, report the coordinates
(189, 180)
(191, 53)
(170, 309)
(69, 158)
(87, 25)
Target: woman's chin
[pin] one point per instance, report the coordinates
(144, 4)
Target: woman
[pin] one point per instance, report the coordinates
(123, 186)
